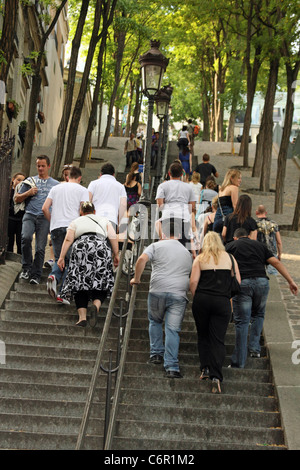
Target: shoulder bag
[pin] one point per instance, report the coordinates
(235, 285)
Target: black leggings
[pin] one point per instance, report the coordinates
(212, 315)
(82, 297)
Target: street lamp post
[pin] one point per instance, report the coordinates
(163, 98)
(153, 65)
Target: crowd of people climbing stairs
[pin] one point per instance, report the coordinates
(209, 244)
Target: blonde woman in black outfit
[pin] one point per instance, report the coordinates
(210, 285)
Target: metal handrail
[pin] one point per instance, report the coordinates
(113, 413)
(87, 409)
(109, 426)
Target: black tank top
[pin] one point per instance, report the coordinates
(215, 282)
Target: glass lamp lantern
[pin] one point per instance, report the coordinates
(162, 107)
(153, 65)
(163, 99)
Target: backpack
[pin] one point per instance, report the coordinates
(266, 230)
(196, 130)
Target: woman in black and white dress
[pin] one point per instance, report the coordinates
(94, 251)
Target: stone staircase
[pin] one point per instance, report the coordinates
(157, 413)
(47, 371)
(49, 361)
(46, 376)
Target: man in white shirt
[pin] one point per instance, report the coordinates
(108, 195)
(61, 207)
(176, 199)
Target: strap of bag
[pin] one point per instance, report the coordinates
(232, 262)
(97, 224)
(220, 206)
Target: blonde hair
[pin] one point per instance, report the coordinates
(195, 177)
(228, 178)
(214, 202)
(212, 246)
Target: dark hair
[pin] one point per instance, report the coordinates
(176, 169)
(107, 169)
(44, 157)
(243, 208)
(205, 157)
(240, 232)
(75, 172)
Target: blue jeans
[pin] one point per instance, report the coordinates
(249, 309)
(57, 238)
(39, 225)
(171, 308)
(218, 220)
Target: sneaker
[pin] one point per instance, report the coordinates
(254, 354)
(49, 263)
(51, 286)
(173, 374)
(156, 359)
(24, 275)
(34, 280)
(62, 301)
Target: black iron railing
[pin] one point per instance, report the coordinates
(6, 151)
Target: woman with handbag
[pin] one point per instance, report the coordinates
(211, 287)
(228, 197)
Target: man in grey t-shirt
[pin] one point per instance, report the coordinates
(167, 298)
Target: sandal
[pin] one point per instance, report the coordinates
(215, 386)
(204, 374)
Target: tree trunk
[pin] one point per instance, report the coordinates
(296, 219)
(62, 128)
(206, 126)
(268, 127)
(116, 132)
(120, 50)
(291, 74)
(137, 107)
(7, 42)
(93, 116)
(35, 91)
(252, 74)
(128, 117)
(73, 130)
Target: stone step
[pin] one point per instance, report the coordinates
(206, 433)
(27, 440)
(233, 385)
(199, 415)
(204, 396)
(140, 444)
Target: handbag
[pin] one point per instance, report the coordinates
(235, 285)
